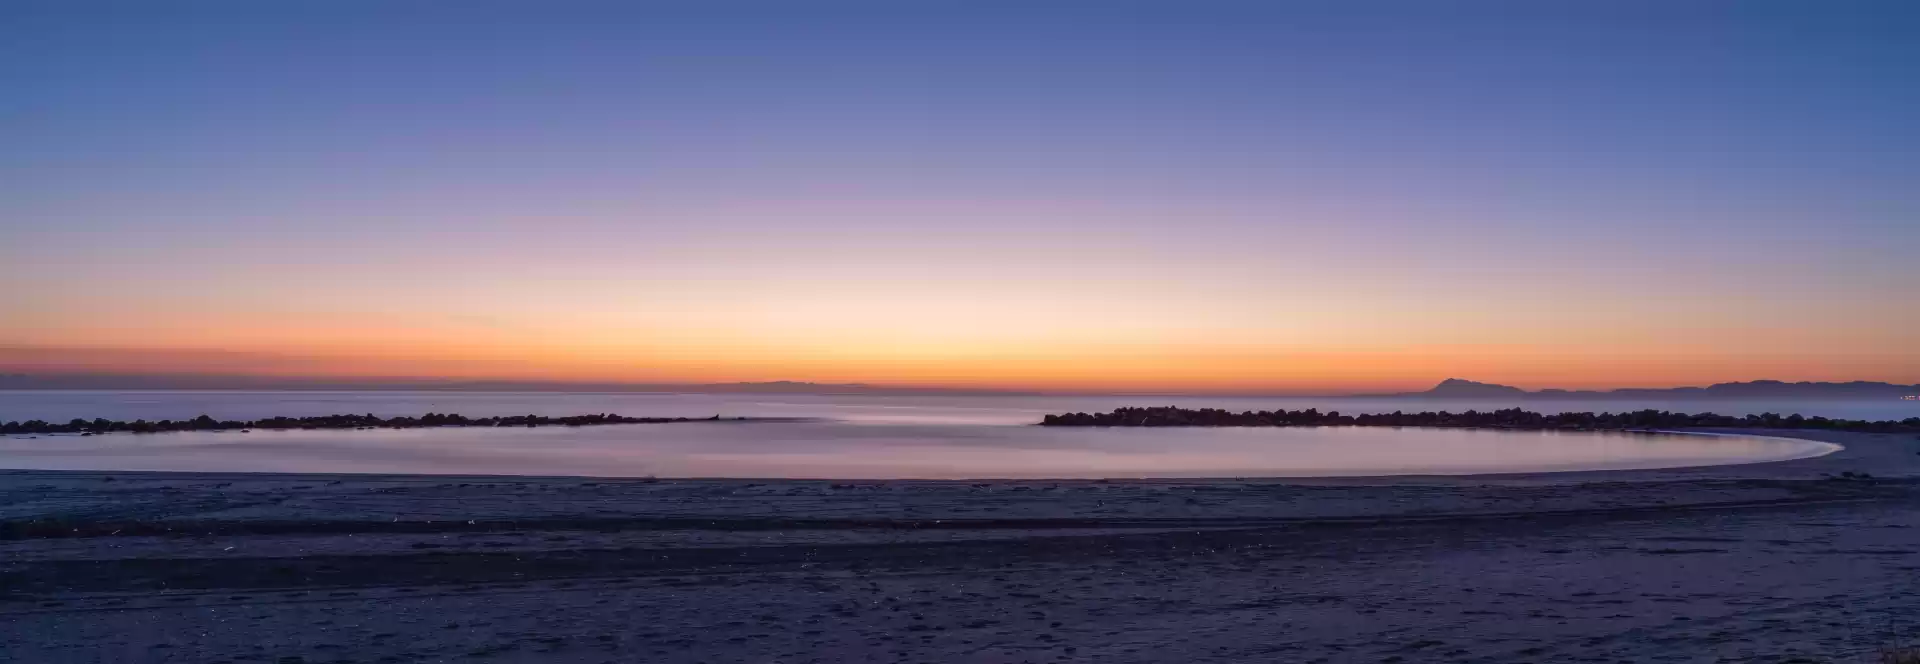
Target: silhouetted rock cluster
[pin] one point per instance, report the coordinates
(1512, 418)
(205, 423)
(1456, 388)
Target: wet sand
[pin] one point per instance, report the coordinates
(1759, 562)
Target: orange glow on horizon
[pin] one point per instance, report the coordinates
(1059, 369)
(1064, 337)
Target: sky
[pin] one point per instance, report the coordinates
(1295, 197)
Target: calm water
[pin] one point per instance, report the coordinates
(856, 437)
(62, 405)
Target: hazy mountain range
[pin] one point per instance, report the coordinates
(1451, 388)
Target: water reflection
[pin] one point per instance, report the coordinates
(878, 449)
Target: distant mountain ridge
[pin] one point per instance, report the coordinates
(1451, 388)
(1456, 388)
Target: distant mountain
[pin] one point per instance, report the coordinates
(1455, 388)
(79, 381)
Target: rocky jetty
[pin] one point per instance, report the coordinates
(1512, 418)
(206, 423)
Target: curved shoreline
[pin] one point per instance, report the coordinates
(1035, 499)
(1818, 449)
(1824, 453)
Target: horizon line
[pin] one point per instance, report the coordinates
(179, 381)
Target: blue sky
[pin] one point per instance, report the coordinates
(704, 181)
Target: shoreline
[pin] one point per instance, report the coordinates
(1822, 448)
(1876, 458)
(1814, 447)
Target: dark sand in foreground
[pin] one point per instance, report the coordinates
(1761, 562)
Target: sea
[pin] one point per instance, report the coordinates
(863, 436)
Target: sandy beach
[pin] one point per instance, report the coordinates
(1772, 562)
